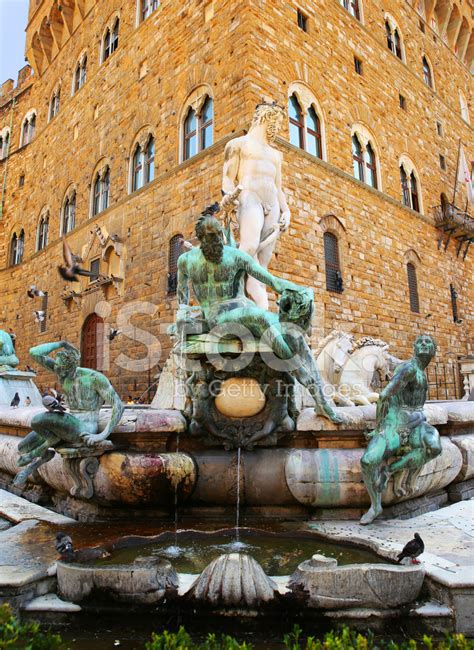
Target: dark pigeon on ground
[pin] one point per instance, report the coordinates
(15, 401)
(412, 549)
(64, 547)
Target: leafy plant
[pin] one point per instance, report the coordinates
(15, 635)
(181, 640)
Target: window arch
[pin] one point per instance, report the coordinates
(427, 73)
(175, 246)
(394, 38)
(28, 128)
(43, 231)
(54, 103)
(364, 157)
(110, 40)
(332, 263)
(197, 123)
(4, 143)
(80, 74)
(464, 107)
(306, 126)
(68, 217)
(410, 185)
(353, 7)
(142, 162)
(17, 248)
(101, 191)
(413, 288)
(146, 8)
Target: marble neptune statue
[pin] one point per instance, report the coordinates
(402, 432)
(217, 275)
(252, 170)
(86, 391)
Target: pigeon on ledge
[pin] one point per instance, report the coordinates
(64, 547)
(53, 405)
(412, 549)
(15, 401)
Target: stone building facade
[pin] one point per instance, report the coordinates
(113, 140)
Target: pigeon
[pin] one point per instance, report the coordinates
(15, 401)
(28, 401)
(113, 333)
(53, 405)
(412, 549)
(30, 369)
(72, 269)
(39, 316)
(33, 292)
(185, 244)
(64, 546)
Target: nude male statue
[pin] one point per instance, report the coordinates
(401, 424)
(86, 391)
(217, 274)
(250, 163)
(8, 358)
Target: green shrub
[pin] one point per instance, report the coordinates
(181, 640)
(25, 636)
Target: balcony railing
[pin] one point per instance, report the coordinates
(454, 224)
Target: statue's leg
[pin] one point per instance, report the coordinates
(34, 446)
(251, 221)
(373, 475)
(264, 256)
(21, 478)
(425, 445)
(64, 426)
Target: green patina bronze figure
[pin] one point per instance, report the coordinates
(217, 274)
(402, 432)
(86, 392)
(8, 358)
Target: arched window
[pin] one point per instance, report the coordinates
(80, 74)
(4, 143)
(427, 75)
(43, 232)
(147, 7)
(110, 40)
(352, 6)
(313, 134)
(92, 343)
(357, 158)
(54, 104)
(101, 191)
(143, 164)
(28, 129)
(332, 263)
(371, 175)
(295, 115)
(17, 248)
(464, 107)
(173, 255)
(198, 128)
(1, 147)
(413, 288)
(394, 41)
(69, 214)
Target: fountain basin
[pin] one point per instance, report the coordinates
(142, 582)
(321, 585)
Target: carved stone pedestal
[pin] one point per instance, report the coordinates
(82, 463)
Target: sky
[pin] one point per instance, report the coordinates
(13, 20)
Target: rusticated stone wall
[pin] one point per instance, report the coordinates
(243, 51)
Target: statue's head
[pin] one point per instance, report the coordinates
(425, 346)
(66, 361)
(272, 115)
(210, 233)
(296, 306)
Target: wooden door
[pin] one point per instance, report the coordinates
(92, 343)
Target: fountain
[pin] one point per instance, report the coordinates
(255, 398)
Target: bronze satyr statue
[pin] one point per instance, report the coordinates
(86, 391)
(401, 430)
(8, 358)
(217, 274)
